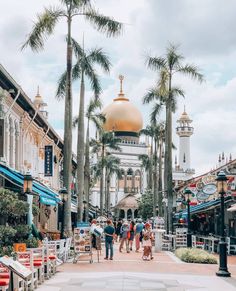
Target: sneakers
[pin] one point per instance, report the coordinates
(105, 258)
(111, 258)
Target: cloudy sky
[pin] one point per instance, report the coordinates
(204, 29)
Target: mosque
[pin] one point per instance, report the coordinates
(125, 120)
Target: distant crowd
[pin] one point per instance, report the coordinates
(126, 233)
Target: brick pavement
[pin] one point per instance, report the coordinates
(129, 272)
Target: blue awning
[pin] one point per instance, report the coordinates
(44, 192)
(202, 206)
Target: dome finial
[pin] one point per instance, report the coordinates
(121, 77)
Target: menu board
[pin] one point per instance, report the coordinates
(82, 239)
(16, 267)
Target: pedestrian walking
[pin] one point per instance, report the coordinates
(131, 238)
(109, 232)
(137, 232)
(118, 227)
(124, 232)
(147, 242)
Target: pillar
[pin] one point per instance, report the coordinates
(132, 210)
(125, 210)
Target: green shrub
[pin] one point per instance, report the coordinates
(7, 233)
(22, 232)
(194, 255)
(6, 251)
(31, 242)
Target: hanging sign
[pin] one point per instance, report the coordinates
(201, 196)
(1, 137)
(48, 161)
(209, 189)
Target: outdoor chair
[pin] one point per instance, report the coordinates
(38, 262)
(26, 259)
(67, 249)
(51, 257)
(4, 278)
(231, 248)
(197, 244)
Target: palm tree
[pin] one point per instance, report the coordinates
(106, 140)
(44, 27)
(112, 166)
(169, 66)
(86, 60)
(146, 163)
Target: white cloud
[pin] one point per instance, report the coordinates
(204, 29)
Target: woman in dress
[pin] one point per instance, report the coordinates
(131, 238)
(147, 242)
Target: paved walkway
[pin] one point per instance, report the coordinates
(130, 272)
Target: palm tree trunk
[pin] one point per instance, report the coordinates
(155, 185)
(108, 194)
(106, 191)
(87, 171)
(151, 167)
(80, 151)
(102, 182)
(67, 149)
(168, 156)
(160, 190)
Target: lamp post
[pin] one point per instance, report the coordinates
(84, 212)
(28, 183)
(64, 195)
(156, 212)
(189, 236)
(96, 210)
(221, 181)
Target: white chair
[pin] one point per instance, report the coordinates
(231, 248)
(197, 244)
(51, 257)
(26, 259)
(67, 249)
(4, 278)
(38, 262)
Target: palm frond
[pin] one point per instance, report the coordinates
(61, 88)
(98, 56)
(92, 76)
(173, 58)
(155, 63)
(150, 96)
(43, 27)
(155, 112)
(76, 71)
(78, 50)
(103, 23)
(94, 103)
(192, 71)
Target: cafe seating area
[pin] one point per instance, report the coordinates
(42, 263)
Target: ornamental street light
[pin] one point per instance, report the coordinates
(221, 181)
(84, 213)
(64, 196)
(28, 183)
(96, 211)
(189, 236)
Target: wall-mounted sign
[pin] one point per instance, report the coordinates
(1, 137)
(48, 161)
(201, 196)
(209, 189)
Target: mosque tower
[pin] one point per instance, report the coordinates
(184, 130)
(40, 104)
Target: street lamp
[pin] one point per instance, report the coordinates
(189, 236)
(156, 212)
(84, 213)
(64, 195)
(28, 183)
(221, 182)
(96, 211)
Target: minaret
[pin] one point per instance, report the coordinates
(40, 105)
(184, 131)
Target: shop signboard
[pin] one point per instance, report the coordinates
(209, 189)
(1, 137)
(201, 196)
(82, 238)
(48, 161)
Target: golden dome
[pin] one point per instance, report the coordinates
(121, 115)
